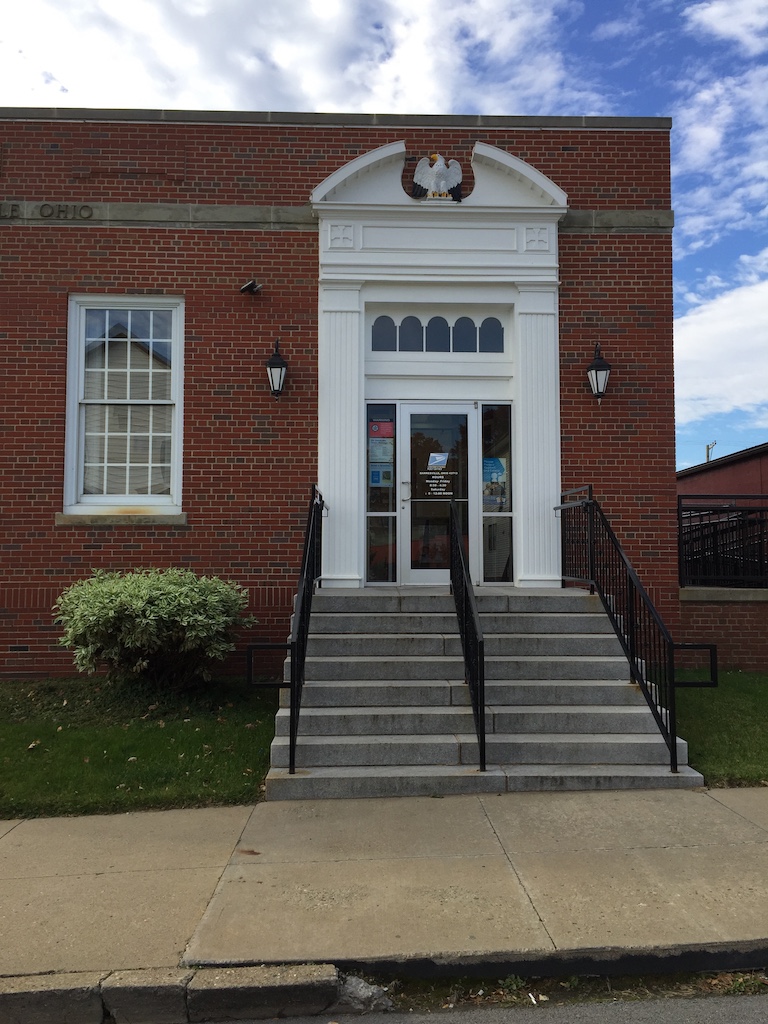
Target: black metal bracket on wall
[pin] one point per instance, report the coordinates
(249, 652)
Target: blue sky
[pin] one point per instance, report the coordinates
(702, 62)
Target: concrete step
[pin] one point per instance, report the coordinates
(546, 719)
(377, 721)
(424, 721)
(435, 692)
(398, 622)
(508, 645)
(575, 748)
(388, 601)
(423, 668)
(596, 692)
(437, 780)
(330, 751)
(348, 693)
(504, 748)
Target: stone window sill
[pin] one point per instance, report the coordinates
(64, 519)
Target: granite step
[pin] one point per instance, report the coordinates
(508, 645)
(432, 692)
(443, 667)
(438, 780)
(431, 622)
(457, 749)
(385, 602)
(423, 721)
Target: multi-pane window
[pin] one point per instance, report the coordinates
(124, 404)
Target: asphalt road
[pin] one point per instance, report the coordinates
(711, 1010)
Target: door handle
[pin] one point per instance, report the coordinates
(405, 483)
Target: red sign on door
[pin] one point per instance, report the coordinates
(381, 428)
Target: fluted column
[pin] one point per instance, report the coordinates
(341, 435)
(538, 439)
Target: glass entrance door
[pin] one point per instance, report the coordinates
(436, 468)
(419, 457)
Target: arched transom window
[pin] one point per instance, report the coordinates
(437, 334)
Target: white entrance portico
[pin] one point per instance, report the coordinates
(438, 373)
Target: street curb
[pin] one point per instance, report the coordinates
(52, 999)
(215, 993)
(170, 996)
(609, 961)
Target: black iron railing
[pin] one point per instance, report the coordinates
(311, 563)
(472, 642)
(723, 540)
(592, 554)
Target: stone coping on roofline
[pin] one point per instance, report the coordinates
(724, 595)
(258, 117)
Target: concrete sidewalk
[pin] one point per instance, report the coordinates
(520, 883)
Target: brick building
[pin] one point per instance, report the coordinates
(742, 472)
(138, 428)
(730, 496)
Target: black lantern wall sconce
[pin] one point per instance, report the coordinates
(276, 370)
(598, 372)
(276, 366)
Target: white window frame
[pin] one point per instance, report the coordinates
(75, 502)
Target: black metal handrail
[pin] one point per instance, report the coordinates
(592, 554)
(723, 540)
(311, 564)
(470, 630)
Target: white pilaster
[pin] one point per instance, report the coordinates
(538, 440)
(341, 435)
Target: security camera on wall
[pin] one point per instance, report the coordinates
(251, 287)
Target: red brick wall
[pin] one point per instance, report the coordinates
(249, 460)
(619, 168)
(615, 290)
(747, 474)
(739, 628)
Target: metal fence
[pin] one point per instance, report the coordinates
(723, 540)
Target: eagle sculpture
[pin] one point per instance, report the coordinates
(437, 180)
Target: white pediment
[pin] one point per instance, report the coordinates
(375, 178)
(501, 180)
(504, 180)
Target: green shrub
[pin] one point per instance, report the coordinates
(152, 625)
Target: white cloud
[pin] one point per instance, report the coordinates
(98, 55)
(629, 24)
(744, 22)
(720, 165)
(753, 269)
(442, 56)
(721, 357)
(714, 111)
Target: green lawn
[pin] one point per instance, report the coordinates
(81, 746)
(727, 729)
